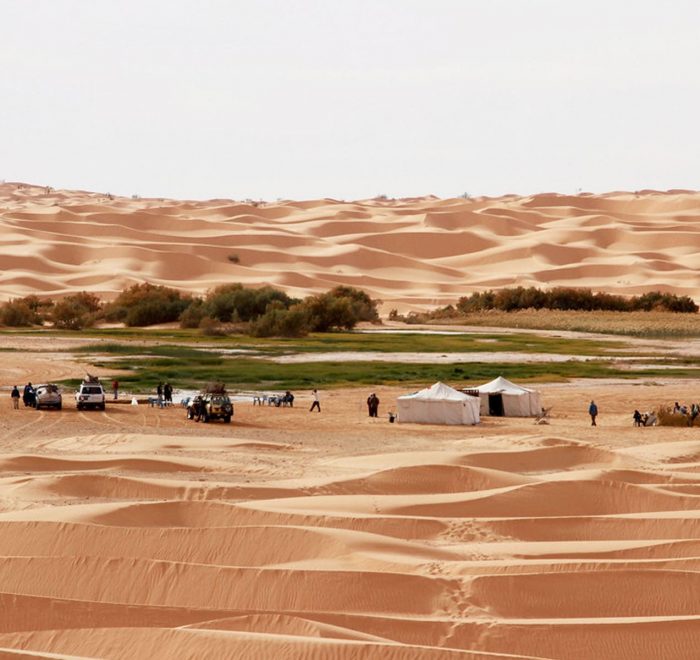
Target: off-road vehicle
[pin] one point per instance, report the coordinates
(48, 396)
(216, 406)
(213, 403)
(90, 394)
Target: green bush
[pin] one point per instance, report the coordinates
(147, 304)
(279, 321)
(341, 308)
(192, 316)
(233, 302)
(570, 299)
(76, 311)
(20, 313)
(210, 327)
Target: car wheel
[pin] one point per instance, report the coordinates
(59, 406)
(227, 419)
(101, 406)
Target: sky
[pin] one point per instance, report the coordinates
(348, 99)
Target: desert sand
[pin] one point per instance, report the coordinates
(134, 532)
(410, 253)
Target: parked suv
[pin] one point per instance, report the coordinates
(210, 406)
(48, 396)
(216, 406)
(90, 394)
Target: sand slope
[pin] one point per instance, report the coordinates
(423, 251)
(135, 533)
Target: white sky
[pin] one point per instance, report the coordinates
(350, 98)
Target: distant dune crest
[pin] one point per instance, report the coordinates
(411, 253)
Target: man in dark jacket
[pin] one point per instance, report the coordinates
(373, 405)
(28, 395)
(593, 412)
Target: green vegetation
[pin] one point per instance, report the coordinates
(77, 311)
(147, 304)
(262, 312)
(192, 364)
(247, 373)
(658, 325)
(566, 298)
(21, 312)
(368, 342)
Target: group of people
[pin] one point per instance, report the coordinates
(644, 418)
(690, 412)
(277, 400)
(28, 396)
(373, 405)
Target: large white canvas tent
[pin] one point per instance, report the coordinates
(439, 404)
(501, 398)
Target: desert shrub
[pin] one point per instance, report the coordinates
(210, 327)
(326, 312)
(341, 308)
(278, 321)
(572, 299)
(192, 316)
(234, 302)
(657, 301)
(30, 310)
(477, 302)
(16, 313)
(147, 304)
(666, 417)
(76, 311)
(363, 307)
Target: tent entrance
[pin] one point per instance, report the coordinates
(496, 405)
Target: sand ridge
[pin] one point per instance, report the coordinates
(289, 534)
(409, 253)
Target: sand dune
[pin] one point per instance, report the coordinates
(144, 534)
(409, 253)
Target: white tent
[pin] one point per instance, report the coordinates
(502, 398)
(439, 404)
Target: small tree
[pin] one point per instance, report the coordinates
(76, 311)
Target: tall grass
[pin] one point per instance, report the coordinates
(633, 324)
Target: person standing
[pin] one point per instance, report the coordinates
(637, 417)
(115, 389)
(317, 402)
(373, 405)
(593, 412)
(28, 395)
(15, 397)
(159, 392)
(168, 393)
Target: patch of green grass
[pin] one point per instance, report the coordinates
(164, 350)
(380, 342)
(248, 373)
